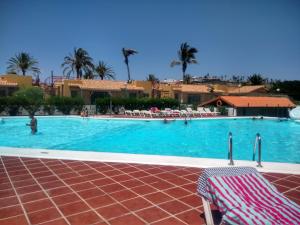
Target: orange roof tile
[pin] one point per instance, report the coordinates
(257, 101)
(191, 88)
(105, 85)
(246, 89)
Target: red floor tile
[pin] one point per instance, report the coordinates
(112, 188)
(174, 207)
(134, 193)
(127, 219)
(10, 211)
(100, 201)
(84, 218)
(73, 208)
(112, 211)
(38, 205)
(58, 191)
(143, 190)
(32, 196)
(43, 216)
(60, 221)
(123, 195)
(28, 189)
(4, 186)
(152, 214)
(177, 192)
(6, 193)
(191, 217)
(9, 201)
(90, 193)
(192, 200)
(103, 182)
(53, 184)
(136, 204)
(17, 220)
(169, 221)
(67, 198)
(158, 197)
(82, 186)
(132, 183)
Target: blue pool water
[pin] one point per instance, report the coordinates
(200, 138)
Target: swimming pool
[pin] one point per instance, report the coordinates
(200, 138)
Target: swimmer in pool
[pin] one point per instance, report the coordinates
(32, 124)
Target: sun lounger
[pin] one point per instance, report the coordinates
(244, 196)
(210, 112)
(146, 113)
(136, 112)
(192, 112)
(128, 112)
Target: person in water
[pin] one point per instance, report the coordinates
(185, 121)
(32, 124)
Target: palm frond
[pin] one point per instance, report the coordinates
(175, 63)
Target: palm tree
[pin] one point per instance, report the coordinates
(104, 71)
(256, 79)
(78, 62)
(154, 80)
(22, 62)
(187, 79)
(186, 56)
(126, 54)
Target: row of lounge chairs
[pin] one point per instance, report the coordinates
(155, 112)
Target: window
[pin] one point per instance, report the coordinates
(193, 99)
(132, 95)
(74, 94)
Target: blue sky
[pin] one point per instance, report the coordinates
(234, 37)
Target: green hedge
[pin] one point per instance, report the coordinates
(103, 104)
(63, 104)
(13, 104)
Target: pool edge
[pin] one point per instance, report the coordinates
(274, 167)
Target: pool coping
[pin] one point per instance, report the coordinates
(274, 167)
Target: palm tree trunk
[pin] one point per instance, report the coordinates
(128, 71)
(23, 72)
(77, 73)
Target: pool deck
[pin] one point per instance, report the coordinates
(59, 191)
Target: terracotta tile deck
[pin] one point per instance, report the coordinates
(50, 191)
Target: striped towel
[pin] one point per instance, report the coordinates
(251, 199)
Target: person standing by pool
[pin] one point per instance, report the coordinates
(32, 124)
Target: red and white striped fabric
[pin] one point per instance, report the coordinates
(251, 199)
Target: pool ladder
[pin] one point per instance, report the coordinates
(257, 144)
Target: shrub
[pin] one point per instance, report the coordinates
(223, 110)
(14, 104)
(31, 98)
(103, 104)
(3, 104)
(63, 104)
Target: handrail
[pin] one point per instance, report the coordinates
(257, 143)
(230, 149)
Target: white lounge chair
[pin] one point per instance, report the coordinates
(210, 112)
(128, 112)
(136, 112)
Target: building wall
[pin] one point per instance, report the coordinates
(263, 111)
(193, 98)
(22, 81)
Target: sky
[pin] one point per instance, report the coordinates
(233, 37)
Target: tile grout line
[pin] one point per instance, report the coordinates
(116, 199)
(17, 195)
(141, 197)
(75, 192)
(46, 193)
